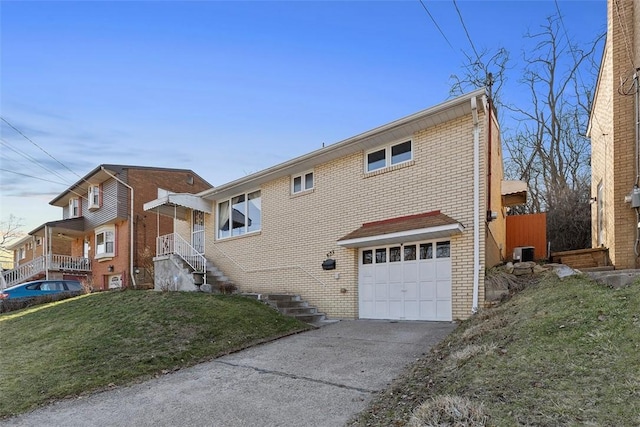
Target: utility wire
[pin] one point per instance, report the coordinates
(436, 24)
(31, 158)
(574, 56)
(39, 147)
(625, 31)
(34, 160)
(83, 196)
(467, 32)
(32, 176)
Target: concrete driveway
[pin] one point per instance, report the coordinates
(317, 378)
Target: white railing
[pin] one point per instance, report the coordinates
(174, 244)
(66, 262)
(24, 271)
(38, 265)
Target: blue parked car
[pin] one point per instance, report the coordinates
(41, 287)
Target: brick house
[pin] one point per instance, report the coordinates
(615, 175)
(96, 240)
(398, 222)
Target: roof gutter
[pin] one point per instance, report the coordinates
(131, 272)
(476, 204)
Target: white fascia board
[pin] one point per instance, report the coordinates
(404, 236)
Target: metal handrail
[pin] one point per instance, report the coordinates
(174, 244)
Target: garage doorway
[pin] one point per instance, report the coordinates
(410, 281)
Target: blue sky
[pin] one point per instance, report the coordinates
(229, 88)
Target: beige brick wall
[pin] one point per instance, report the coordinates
(298, 231)
(496, 230)
(613, 136)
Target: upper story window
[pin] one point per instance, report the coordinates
(240, 215)
(74, 207)
(388, 156)
(22, 253)
(302, 182)
(106, 241)
(94, 196)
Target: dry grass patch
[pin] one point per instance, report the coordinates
(445, 411)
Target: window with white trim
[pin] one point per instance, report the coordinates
(240, 215)
(105, 242)
(388, 156)
(94, 196)
(302, 182)
(74, 207)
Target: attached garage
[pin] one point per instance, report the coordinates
(401, 277)
(406, 282)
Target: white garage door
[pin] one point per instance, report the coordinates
(406, 282)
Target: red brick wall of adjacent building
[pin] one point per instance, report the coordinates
(146, 183)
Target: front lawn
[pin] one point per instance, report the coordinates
(102, 340)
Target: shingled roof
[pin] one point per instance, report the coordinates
(395, 230)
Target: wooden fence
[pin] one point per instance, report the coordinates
(527, 230)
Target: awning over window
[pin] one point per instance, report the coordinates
(425, 226)
(178, 205)
(514, 193)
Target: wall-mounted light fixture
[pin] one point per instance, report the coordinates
(110, 269)
(137, 271)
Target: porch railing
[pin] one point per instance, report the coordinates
(174, 244)
(38, 265)
(66, 262)
(24, 271)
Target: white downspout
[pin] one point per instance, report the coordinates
(47, 250)
(131, 272)
(476, 204)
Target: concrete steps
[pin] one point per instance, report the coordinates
(615, 278)
(293, 306)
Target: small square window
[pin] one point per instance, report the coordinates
(389, 156)
(74, 207)
(297, 184)
(303, 182)
(94, 197)
(381, 256)
(376, 160)
(401, 153)
(367, 257)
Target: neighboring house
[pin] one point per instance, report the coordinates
(96, 240)
(615, 175)
(410, 214)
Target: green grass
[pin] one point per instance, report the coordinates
(562, 352)
(95, 341)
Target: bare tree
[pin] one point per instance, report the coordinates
(549, 149)
(9, 230)
(487, 70)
